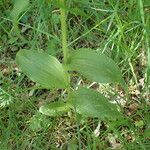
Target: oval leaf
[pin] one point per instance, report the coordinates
(54, 109)
(42, 68)
(95, 67)
(19, 7)
(92, 104)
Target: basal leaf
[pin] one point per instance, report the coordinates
(39, 122)
(19, 7)
(92, 104)
(96, 67)
(42, 68)
(54, 109)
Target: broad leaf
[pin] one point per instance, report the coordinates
(54, 109)
(95, 67)
(42, 68)
(92, 104)
(39, 122)
(19, 7)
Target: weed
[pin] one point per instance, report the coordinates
(77, 97)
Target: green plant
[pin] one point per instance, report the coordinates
(119, 29)
(47, 71)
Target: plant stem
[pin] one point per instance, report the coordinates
(147, 46)
(64, 30)
(64, 36)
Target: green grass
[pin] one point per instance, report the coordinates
(120, 29)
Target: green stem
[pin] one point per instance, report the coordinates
(147, 44)
(64, 36)
(64, 30)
